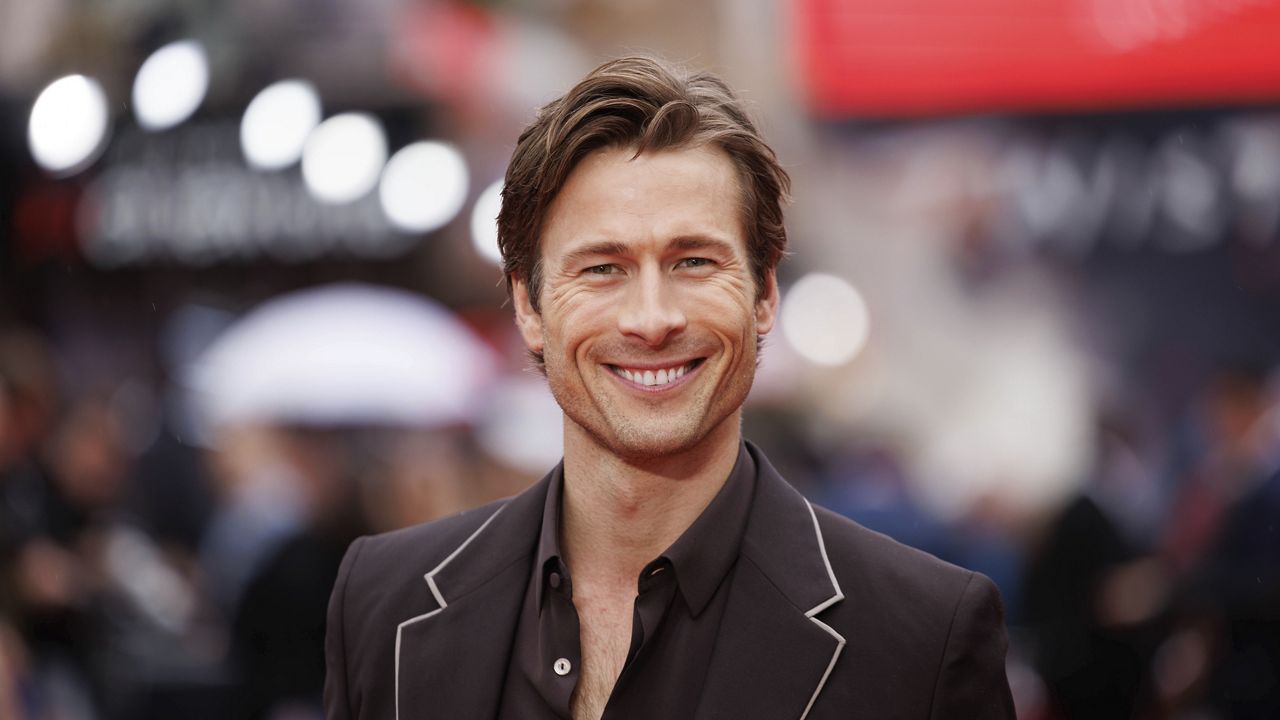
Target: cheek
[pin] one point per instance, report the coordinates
(582, 308)
(726, 306)
(574, 332)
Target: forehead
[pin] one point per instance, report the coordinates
(649, 199)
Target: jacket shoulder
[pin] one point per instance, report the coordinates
(921, 630)
(864, 559)
(424, 546)
(380, 585)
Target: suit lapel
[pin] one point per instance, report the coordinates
(451, 660)
(774, 654)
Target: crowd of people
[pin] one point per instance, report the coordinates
(175, 578)
(169, 577)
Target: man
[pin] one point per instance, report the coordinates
(664, 569)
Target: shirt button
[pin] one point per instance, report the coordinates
(562, 666)
(555, 580)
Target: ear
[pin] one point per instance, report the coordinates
(528, 320)
(767, 304)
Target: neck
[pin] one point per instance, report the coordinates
(618, 513)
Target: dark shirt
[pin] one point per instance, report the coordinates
(681, 596)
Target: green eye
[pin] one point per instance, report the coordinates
(601, 269)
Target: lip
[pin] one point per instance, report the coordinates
(670, 386)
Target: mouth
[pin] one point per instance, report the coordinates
(652, 379)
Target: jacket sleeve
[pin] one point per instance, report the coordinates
(337, 704)
(971, 681)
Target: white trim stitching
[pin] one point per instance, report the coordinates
(435, 592)
(822, 548)
(830, 666)
(837, 597)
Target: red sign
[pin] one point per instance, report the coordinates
(924, 57)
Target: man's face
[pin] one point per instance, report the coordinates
(649, 315)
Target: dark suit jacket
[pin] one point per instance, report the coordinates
(825, 619)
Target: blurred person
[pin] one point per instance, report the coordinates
(260, 503)
(663, 569)
(421, 476)
(278, 623)
(1236, 453)
(1224, 538)
(110, 606)
(28, 399)
(1087, 662)
(12, 673)
(172, 495)
(1093, 598)
(870, 485)
(41, 575)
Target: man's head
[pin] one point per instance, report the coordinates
(637, 103)
(641, 227)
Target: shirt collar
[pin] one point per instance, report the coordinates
(548, 557)
(702, 556)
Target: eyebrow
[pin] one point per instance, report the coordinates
(700, 242)
(594, 250)
(611, 248)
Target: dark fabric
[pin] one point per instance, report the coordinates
(681, 596)
(278, 630)
(1241, 582)
(1091, 668)
(824, 619)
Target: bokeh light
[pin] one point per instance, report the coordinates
(825, 319)
(484, 223)
(277, 122)
(423, 186)
(170, 85)
(343, 157)
(68, 124)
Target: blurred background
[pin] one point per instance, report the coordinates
(249, 309)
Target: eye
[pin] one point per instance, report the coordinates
(693, 262)
(606, 269)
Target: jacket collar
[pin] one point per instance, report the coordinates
(773, 659)
(451, 660)
(784, 540)
(775, 654)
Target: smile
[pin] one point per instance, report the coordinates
(654, 378)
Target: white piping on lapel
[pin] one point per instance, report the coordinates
(435, 591)
(837, 597)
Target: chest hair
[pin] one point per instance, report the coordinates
(605, 622)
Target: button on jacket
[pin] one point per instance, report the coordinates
(823, 619)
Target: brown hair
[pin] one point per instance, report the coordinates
(642, 103)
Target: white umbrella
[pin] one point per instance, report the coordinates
(345, 354)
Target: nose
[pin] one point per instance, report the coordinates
(650, 310)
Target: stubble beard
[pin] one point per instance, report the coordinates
(649, 434)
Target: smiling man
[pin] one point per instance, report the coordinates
(663, 569)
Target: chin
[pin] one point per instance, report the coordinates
(648, 441)
(648, 448)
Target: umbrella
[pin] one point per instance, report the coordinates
(344, 354)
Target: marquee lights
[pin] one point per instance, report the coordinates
(170, 85)
(68, 125)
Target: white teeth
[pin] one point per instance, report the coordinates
(651, 377)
